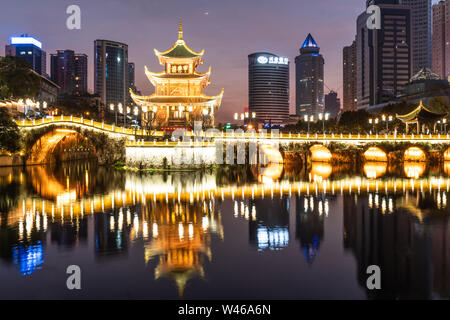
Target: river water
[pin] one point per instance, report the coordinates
(233, 233)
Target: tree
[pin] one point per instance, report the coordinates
(438, 104)
(10, 137)
(355, 121)
(17, 80)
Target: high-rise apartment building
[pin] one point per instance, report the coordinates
(309, 74)
(29, 49)
(332, 104)
(441, 39)
(383, 56)
(111, 72)
(81, 73)
(349, 81)
(69, 71)
(268, 88)
(421, 33)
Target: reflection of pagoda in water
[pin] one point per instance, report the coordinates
(181, 238)
(178, 100)
(269, 226)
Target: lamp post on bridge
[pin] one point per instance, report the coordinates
(113, 108)
(323, 117)
(373, 122)
(387, 119)
(308, 119)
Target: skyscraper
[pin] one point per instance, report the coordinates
(30, 49)
(421, 33)
(131, 81)
(81, 73)
(349, 72)
(384, 56)
(309, 72)
(441, 39)
(69, 71)
(268, 88)
(111, 72)
(332, 104)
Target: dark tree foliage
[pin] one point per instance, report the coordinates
(17, 80)
(10, 137)
(355, 121)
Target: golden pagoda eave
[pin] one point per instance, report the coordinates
(176, 100)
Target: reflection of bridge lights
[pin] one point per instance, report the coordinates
(28, 258)
(414, 170)
(272, 238)
(374, 170)
(320, 171)
(66, 197)
(180, 231)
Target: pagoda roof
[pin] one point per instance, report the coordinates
(164, 75)
(425, 74)
(175, 99)
(421, 113)
(179, 50)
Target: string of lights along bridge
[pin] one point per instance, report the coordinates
(133, 134)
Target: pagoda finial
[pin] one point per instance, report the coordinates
(180, 31)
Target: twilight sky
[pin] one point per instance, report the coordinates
(228, 30)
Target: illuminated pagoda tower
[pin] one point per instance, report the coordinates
(178, 100)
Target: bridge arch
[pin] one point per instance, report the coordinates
(320, 153)
(43, 149)
(375, 154)
(414, 154)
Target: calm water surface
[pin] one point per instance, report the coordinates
(277, 233)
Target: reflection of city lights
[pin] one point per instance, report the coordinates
(375, 170)
(414, 170)
(273, 239)
(155, 230)
(180, 231)
(321, 171)
(29, 258)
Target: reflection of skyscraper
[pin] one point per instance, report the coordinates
(69, 233)
(404, 245)
(112, 232)
(269, 226)
(310, 225)
(441, 258)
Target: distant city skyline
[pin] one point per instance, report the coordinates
(228, 35)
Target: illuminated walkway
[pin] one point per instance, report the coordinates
(64, 121)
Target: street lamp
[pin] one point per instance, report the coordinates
(387, 120)
(308, 119)
(324, 117)
(113, 108)
(243, 116)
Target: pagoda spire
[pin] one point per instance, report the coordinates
(180, 31)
